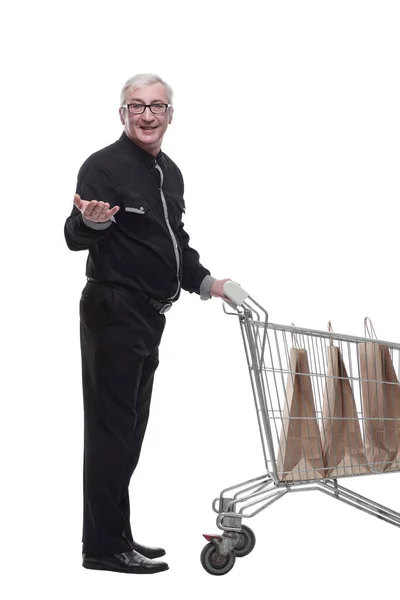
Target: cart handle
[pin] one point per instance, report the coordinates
(235, 292)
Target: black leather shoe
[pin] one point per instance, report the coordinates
(124, 562)
(148, 552)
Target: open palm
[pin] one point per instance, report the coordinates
(99, 212)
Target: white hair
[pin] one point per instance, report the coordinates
(142, 80)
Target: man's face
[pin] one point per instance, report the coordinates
(146, 130)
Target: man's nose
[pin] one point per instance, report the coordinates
(147, 114)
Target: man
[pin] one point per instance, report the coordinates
(139, 259)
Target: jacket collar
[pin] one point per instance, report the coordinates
(146, 158)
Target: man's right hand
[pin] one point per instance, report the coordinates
(98, 212)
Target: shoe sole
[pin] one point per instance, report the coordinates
(139, 570)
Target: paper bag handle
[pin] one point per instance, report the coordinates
(295, 342)
(369, 328)
(330, 329)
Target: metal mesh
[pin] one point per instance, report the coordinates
(323, 412)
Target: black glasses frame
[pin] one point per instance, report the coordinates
(167, 106)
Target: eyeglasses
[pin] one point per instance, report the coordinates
(138, 108)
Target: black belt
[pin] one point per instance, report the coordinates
(160, 307)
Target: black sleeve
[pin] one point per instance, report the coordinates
(193, 270)
(94, 183)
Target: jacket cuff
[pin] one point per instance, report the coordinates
(98, 226)
(205, 287)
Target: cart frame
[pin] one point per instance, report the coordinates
(247, 499)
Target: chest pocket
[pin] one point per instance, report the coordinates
(176, 205)
(136, 217)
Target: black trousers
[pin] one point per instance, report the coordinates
(120, 335)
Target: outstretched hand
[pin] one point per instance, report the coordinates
(98, 212)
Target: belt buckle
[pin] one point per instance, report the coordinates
(164, 308)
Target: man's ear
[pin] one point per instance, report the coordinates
(171, 112)
(121, 115)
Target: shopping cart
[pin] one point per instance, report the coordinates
(328, 406)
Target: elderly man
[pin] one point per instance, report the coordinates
(139, 260)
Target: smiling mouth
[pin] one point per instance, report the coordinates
(148, 128)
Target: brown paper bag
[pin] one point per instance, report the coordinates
(392, 389)
(381, 405)
(342, 444)
(300, 450)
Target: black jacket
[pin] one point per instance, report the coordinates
(136, 250)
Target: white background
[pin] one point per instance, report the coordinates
(286, 129)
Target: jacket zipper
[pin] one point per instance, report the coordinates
(173, 238)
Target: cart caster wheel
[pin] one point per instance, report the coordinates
(246, 543)
(214, 563)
